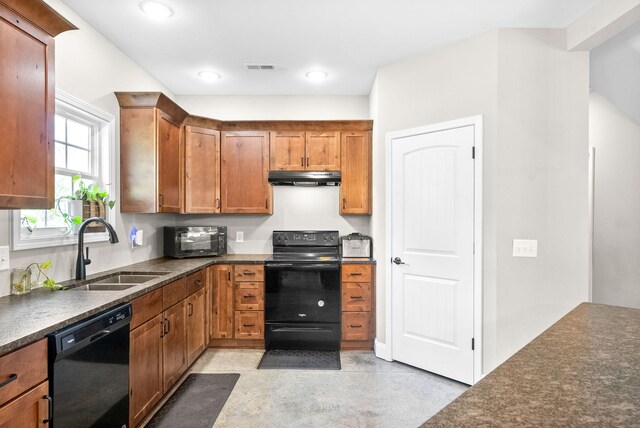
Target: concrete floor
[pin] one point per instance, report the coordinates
(367, 392)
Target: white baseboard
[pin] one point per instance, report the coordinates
(382, 350)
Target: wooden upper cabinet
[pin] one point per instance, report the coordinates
(323, 151)
(151, 153)
(287, 151)
(305, 151)
(244, 173)
(170, 173)
(355, 190)
(201, 170)
(27, 29)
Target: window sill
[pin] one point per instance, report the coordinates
(30, 243)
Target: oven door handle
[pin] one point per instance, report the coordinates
(303, 266)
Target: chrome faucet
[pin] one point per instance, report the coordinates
(81, 261)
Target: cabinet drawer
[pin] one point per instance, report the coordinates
(356, 326)
(252, 273)
(173, 292)
(249, 296)
(356, 296)
(356, 273)
(22, 369)
(249, 325)
(146, 307)
(195, 282)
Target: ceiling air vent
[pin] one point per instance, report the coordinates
(266, 67)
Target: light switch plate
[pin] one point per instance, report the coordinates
(4, 258)
(525, 248)
(239, 236)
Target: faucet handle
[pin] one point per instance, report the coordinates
(87, 260)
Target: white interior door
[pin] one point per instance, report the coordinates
(432, 237)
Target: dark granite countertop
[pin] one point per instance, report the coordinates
(27, 318)
(584, 371)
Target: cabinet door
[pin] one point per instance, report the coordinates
(29, 410)
(355, 190)
(222, 302)
(169, 164)
(196, 334)
(244, 173)
(323, 151)
(201, 170)
(287, 151)
(145, 369)
(26, 128)
(174, 345)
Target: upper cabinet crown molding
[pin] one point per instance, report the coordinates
(41, 15)
(297, 125)
(151, 99)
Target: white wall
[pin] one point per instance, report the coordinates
(276, 107)
(615, 71)
(533, 96)
(542, 183)
(616, 253)
(90, 68)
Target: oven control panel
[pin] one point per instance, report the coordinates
(291, 238)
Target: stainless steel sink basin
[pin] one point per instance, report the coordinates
(120, 281)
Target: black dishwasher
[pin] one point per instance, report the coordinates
(89, 371)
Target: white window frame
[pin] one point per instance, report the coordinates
(105, 167)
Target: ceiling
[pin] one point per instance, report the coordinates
(349, 39)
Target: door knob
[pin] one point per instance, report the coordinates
(397, 261)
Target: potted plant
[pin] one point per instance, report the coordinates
(92, 202)
(21, 279)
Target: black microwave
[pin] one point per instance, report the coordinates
(195, 241)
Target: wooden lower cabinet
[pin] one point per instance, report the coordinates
(174, 345)
(221, 326)
(29, 410)
(237, 306)
(196, 325)
(145, 369)
(358, 315)
(249, 325)
(24, 394)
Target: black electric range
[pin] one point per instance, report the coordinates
(302, 291)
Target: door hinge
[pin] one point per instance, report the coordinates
(473, 152)
(473, 344)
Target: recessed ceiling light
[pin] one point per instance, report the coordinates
(317, 75)
(209, 76)
(156, 10)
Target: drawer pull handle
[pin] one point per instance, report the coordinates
(249, 296)
(356, 274)
(10, 379)
(248, 273)
(248, 325)
(49, 409)
(198, 282)
(356, 297)
(356, 326)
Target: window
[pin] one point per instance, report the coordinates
(83, 146)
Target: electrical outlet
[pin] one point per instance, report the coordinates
(525, 248)
(4, 258)
(239, 236)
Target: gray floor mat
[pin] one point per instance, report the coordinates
(298, 359)
(197, 402)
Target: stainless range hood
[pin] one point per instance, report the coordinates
(304, 178)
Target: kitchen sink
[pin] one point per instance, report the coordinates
(120, 281)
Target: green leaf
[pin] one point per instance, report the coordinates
(76, 220)
(75, 178)
(112, 204)
(45, 265)
(31, 219)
